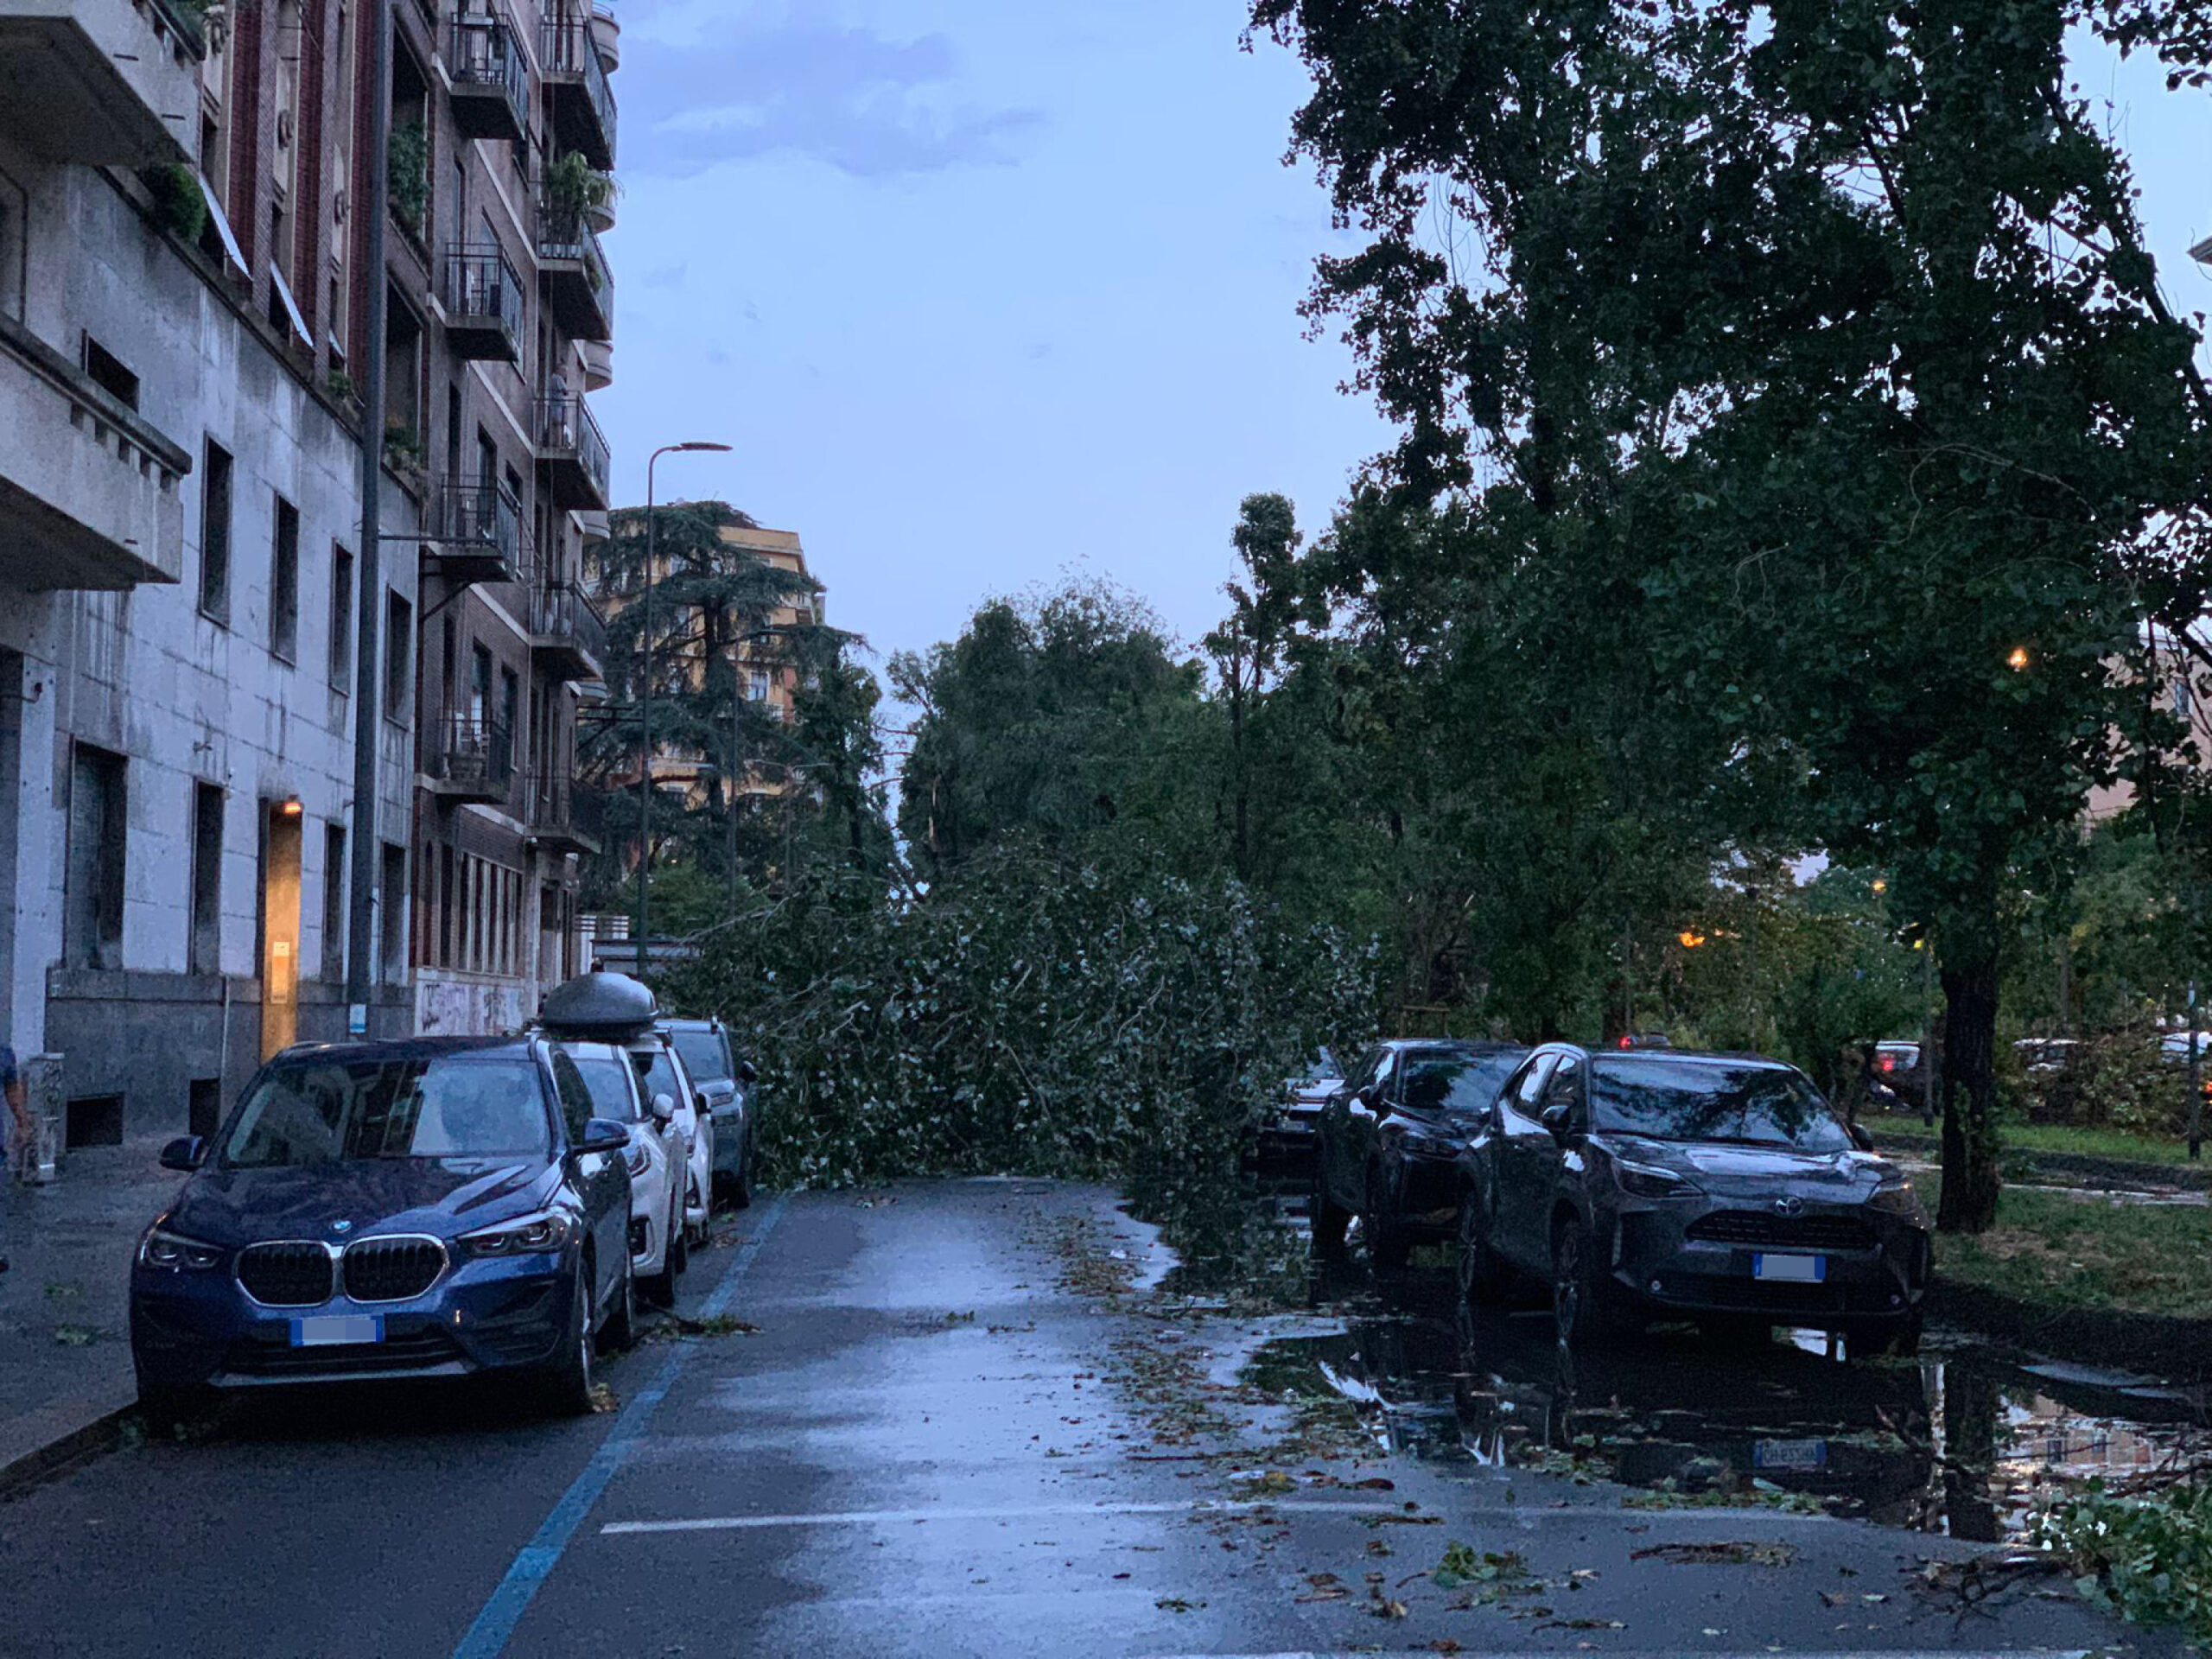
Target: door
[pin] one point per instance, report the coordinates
(602, 1182)
(280, 933)
(1522, 1152)
(1363, 1111)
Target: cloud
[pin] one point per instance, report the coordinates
(860, 101)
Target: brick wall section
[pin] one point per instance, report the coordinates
(311, 208)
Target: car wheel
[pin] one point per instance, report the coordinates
(568, 1380)
(740, 1190)
(1388, 1246)
(1482, 1274)
(621, 1332)
(1329, 1223)
(1576, 1312)
(679, 1245)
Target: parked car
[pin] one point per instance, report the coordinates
(1708, 1186)
(728, 1083)
(616, 1008)
(1900, 1079)
(2045, 1056)
(1388, 1140)
(1287, 1140)
(658, 1161)
(431, 1208)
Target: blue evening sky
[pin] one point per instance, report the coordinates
(989, 292)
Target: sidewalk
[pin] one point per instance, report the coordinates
(64, 1335)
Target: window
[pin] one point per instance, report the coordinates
(215, 533)
(2184, 699)
(575, 1096)
(205, 948)
(106, 372)
(284, 583)
(98, 852)
(1527, 1095)
(757, 686)
(341, 619)
(333, 904)
(510, 707)
(398, 658)
(394, 915)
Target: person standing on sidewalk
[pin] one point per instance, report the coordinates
(11, 1085)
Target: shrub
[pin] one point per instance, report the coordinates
(2120, 1081)
(178, 206)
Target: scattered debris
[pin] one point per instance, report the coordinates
(1730, 1554)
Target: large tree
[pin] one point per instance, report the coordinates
(1822, 335)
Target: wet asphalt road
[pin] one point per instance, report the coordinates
(973, 1420)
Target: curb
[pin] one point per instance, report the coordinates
(102, 1433)
(2028, 1162)
(2160, 1344)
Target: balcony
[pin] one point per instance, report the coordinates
(576, 77)
(102, 82)
(482, 296)
(572, 451)
(474, 760)
(568, 636)
(490, 81)
(89, 492)
(578, 285)
(598, 364)
(562, 819)
(473, 533)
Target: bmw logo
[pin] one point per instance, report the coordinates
(341, 1228)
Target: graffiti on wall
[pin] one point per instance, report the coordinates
(454, 1007)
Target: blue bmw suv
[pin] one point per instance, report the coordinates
(431, 1208)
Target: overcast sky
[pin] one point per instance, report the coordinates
(987, 291)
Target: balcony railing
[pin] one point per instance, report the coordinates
(570, 443)
(579, 279)
(562, 817)
(476, 533)
(475, 757)
(482, 296)
(491, 81)
(566, 626)
(572, 64)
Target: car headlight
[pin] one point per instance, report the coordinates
(636, 1158)
(1895, 1197)
(546, 1231)
(175, 1253)
(1645, 1181)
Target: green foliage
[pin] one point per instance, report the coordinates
(179, 207)
(573, 185)
(1097, 1019)
(2147, 1557)
(408, 170)
(2118, 1080)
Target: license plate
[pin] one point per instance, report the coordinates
(337, 1331)
(1789, 1455)
(1791, 1270)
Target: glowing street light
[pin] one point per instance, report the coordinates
(1691, 939)
(2018, 660)
(1881, 886)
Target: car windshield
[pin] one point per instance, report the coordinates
(607, 1077)
(333, 1110)
(1748, 1105)
(1456, 1085)
(703, 1056)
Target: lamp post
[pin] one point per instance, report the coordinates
(645, 689)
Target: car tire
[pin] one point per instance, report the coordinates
(1330, 1222)
(1387, 1245)
(741, 1188)
(568, 1380)
(679, 1245)
(1482, 1274)
(1578, 1315)
(620, 1333)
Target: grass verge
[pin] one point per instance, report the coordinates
(2051, 1137)
(2087, 1253)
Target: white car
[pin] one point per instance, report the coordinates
(658, 1160)
(661, 1073)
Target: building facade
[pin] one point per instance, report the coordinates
(180, 514)
(499, 319)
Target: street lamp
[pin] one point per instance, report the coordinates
(646, 690)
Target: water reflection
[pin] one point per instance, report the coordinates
(1958, 1442)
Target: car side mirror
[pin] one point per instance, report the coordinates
(1861, 1136)
(663, 1108)
(1555, 1119)
(747, 1072)
(603, 1134)
(702, 1105)
(185, 1153)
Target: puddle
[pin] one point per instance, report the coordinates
(1959, 1442)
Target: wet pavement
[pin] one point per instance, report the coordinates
(1002, 1417)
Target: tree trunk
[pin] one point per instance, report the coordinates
(1969, 1093)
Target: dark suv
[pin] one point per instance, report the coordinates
(1708, 1186)
(1386, 1142)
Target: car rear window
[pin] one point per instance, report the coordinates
(705, 1055)
(1458, 1085)
(329, 1110)
(1717, 1100)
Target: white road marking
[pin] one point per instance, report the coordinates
(1667, 1653)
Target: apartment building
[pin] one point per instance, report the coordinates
(500, 314)
(179, 523)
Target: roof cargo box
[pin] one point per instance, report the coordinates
(598, 1004)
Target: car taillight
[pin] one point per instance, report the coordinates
(1889, 1062)
(1628, 1042)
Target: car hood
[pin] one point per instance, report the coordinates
(1729, 1172)
(440, 1196)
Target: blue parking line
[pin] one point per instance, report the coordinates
(535, 1561)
